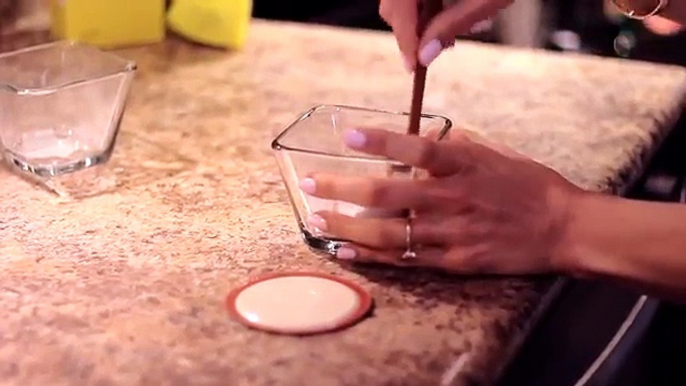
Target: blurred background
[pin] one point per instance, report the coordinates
(589, 26)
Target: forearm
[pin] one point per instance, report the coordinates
(633, 241)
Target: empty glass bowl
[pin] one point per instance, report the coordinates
(314, 144)
(60, 106)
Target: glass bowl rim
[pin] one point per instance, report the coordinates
(128, 66)
(276, 145)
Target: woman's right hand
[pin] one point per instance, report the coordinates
(456, 19)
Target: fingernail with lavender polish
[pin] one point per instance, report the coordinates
(430, 52)
(308, 185)
(346, 253)
(355, 139)
(317, 221)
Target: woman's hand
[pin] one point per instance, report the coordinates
(456, 19)
(481, 211)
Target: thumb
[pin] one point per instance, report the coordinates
(401, 16)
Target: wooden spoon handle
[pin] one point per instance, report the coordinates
(428, 9)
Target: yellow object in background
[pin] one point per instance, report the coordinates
(218, 23)
(109, 23)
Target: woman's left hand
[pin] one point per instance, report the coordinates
(482, 210)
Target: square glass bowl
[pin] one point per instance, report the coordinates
(314, 143)
(61, 105)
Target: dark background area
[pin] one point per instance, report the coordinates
(584, 17)
(588, 314)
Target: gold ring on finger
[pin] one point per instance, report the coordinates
(409, 251)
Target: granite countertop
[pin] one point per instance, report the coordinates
(126, 287)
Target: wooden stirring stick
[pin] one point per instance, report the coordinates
(428, 9)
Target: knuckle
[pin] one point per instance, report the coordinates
(324, 188)
(440, 191)
(385, 235)
(461, 200)
(428, 231)
(384, 141)
(471, 261)
(483, 231)
(323, 185)
(421, 200)
(451, 24)
(379, 194)
(463, 149)
(428, 154)
(455, 198)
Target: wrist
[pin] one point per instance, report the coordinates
(573, 246)
(629, 241)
